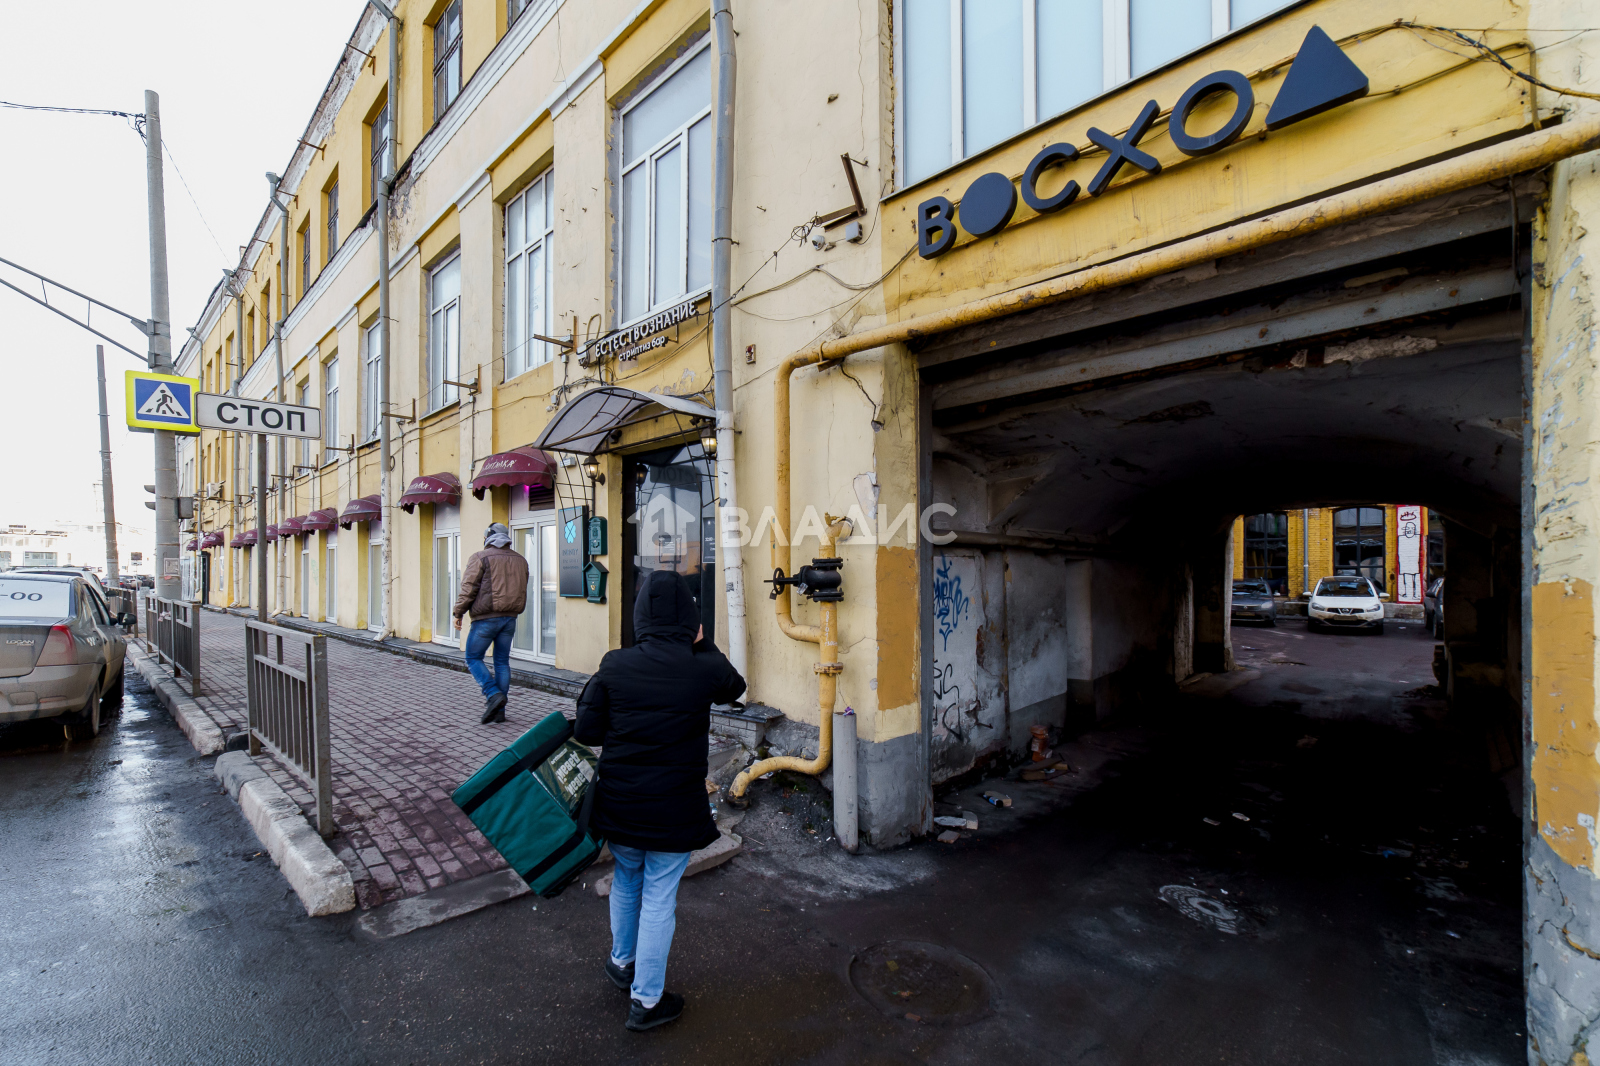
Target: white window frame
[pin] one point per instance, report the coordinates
(330, 411)
(330, 581)
(1116, 62)
(371, 393)
(450, 63)
(524, 353)
(678, 138)
(445, 630)
(446, 365)
(374, 565)
(308, 445)
(536, 521)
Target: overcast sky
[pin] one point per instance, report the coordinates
(238, 83)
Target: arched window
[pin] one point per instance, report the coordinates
(1358, 543)
(1266, 550)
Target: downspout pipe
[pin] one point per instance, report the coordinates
(729, 553)
(1495, 163)
(391, 157)
(277, 335)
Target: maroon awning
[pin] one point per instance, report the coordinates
(362, 509)
(442, 489)
(214, 539)
(193, 545)
(243, 540)
(520, 466)
(324, 520)
(292, 527)
(272, 534)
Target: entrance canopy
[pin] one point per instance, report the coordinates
(583, 426)
(439, 489)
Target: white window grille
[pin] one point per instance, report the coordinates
(530, 225)
(666, 205)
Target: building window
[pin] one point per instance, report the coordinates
(666, 189)
(380, 149)
(536, 626)
(330, 410)
(308, 446)
(1266, 550)
(371, 385)
(980, 71)
(330, 578)
(305, 258)
(446, 59)
(444, 333)
(333, 218)
(1358, 543)
(515, 9)
(1435, 544)
(530, 223)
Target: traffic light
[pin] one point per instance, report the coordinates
(182, 506)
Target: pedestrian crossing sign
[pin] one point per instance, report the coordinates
(161, 401)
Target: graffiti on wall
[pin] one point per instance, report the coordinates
(1409, 538)
(951, 604)
(954, 685)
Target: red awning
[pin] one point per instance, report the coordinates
(324, 519)
(442, 489)
(292, 527)
(193, 545)
(243, 540)
(214, 539)
(520, 466)
(272, 534)
(362, 509)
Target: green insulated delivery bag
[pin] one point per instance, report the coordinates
(532, 801)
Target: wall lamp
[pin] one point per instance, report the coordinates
(708, 440)
(592, 468)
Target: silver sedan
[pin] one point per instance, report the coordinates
(61, 652)
(1253, 602)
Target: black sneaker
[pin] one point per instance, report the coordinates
(668, 1010)
(494, 709)
(621, 976)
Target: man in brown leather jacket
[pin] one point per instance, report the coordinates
(494, 588)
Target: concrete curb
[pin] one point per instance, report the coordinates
(441, 904)
(195, 723)
(312, 869)
(715, 854)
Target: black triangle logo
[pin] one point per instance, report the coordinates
(1321, 78)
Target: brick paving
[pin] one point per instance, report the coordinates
(404, 734)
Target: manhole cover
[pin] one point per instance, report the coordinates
(1194, 903)
(923, 982)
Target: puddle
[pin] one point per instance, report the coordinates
(922, 982)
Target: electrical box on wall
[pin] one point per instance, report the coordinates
(597, 536)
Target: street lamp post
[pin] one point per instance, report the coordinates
(169, 583)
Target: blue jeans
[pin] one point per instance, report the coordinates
(644, 905)
(486, 631)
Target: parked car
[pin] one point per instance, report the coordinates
(1433, 607)
(1253, 602)
(61, 652)
(1345, 602)
(70, 571)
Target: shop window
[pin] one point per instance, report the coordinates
(1266, 550)
(378, 137)
(371, 383)
(1358, 546)
(530, 225)
(666, 189)
(444, 333)
(330, 410)
(980, 71)
(446, 585)
(536, 626)
(446, 59)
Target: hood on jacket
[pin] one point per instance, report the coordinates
(665, 609)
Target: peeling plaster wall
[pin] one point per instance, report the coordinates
(1563, 895)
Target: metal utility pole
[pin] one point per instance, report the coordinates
(729, 554)
(391, 158)
(238, 438)
(283, 313)
(105, 471)
(261, 527)
(169, 583)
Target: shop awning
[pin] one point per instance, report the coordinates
(362, 509)
(436, 489)
(272, 534)
(214, 539)
(520, 466)
(581, 427)
(193, 545)
(292, 527)
(243, 540)
(323, 520)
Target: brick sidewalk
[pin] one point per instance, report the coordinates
(405, 734)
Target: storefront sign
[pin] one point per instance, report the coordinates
(625, 343)
(1321, 77)
(570, 542)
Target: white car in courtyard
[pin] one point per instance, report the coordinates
(1345, 602)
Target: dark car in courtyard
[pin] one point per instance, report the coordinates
(1253, 602)
(1433, 608)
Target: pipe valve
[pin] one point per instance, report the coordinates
(821, 581)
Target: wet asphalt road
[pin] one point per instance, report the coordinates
(138, 923)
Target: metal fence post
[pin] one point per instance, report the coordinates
(323, 731)
(286, 678)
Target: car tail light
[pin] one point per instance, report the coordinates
(59, 648)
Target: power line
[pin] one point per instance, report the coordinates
(185, 182)
(137, 120)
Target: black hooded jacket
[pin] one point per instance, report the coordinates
(648, 708)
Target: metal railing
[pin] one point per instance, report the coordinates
(171, 631)
(286, 675)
